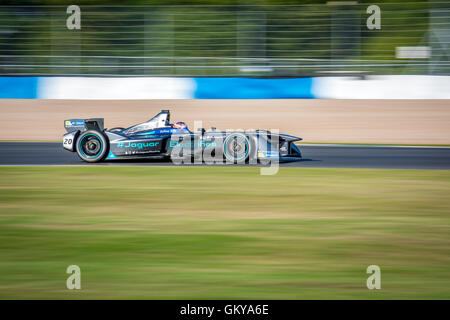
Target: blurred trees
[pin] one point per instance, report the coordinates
(206, 37)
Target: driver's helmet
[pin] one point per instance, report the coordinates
(179, 125)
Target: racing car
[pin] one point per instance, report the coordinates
(157, 138)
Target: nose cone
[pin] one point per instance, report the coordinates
(288, 137)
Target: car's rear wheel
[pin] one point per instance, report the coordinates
(92, 146)
(236, 148)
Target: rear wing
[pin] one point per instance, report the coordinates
(84, 124)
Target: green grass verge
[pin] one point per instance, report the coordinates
(223, 233)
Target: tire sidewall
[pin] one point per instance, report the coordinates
(104, 146)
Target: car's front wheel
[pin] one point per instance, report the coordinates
(92, 146)
(236, 148)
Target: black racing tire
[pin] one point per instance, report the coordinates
(237, 147)
(92, 146)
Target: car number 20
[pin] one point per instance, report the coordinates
(67, 142)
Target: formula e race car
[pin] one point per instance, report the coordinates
(157, 138)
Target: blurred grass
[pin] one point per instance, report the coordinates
(223, 233)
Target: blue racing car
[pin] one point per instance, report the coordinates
(157, 138)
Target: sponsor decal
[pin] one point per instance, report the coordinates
(163, 131)
(166, 130)
(69, 123)
(268, 154)
(138, 145)
(191, 144)
(159, 131)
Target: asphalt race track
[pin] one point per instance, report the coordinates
(318, 156)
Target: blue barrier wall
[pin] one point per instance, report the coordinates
(184, 88)
(373, 87)
(251, 88)
(18, 87)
